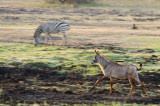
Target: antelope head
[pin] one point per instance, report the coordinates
(96, 59)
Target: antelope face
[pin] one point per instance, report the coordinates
(96, 59)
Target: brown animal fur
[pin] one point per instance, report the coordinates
(113, 70)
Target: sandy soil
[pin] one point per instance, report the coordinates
(88, 25)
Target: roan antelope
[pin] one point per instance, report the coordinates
(113, 70)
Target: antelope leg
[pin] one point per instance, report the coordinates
(101, 79)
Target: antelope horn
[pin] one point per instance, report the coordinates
(96, 52)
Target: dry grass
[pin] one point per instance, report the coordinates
(138, 3)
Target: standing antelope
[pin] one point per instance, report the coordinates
(113, 70)
(51, 27)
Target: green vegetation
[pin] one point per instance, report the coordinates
(71, 59)
(99, 104)
(148, 42)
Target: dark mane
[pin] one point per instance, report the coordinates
(109, 60)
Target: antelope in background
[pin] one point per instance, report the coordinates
(113, 70)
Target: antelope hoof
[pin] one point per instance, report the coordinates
(90, 90)
(129, 95)
(145, 96)
(62, 44)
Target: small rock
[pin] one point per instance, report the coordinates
(134, 26)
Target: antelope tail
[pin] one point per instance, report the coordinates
(140, 67)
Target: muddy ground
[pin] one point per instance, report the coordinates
(30, 86)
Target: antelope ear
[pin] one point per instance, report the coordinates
(96, 52)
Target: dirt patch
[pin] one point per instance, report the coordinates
(28, 85)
